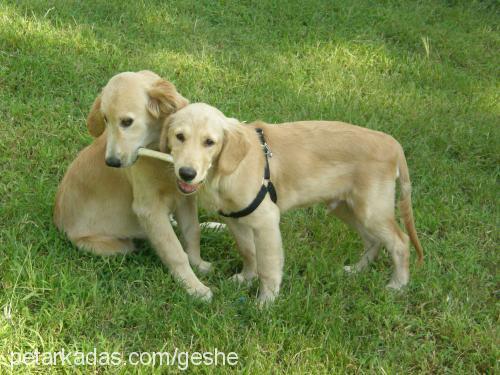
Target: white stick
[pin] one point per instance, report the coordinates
(155, 154)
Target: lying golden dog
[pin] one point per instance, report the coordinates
(352, 169)
(101, 209)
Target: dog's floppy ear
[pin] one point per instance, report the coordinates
(164, 136)
(164, 99)
(95, 119)
(233, 151)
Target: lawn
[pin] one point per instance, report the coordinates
(426, 72)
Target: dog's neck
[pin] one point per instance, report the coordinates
(227, 192)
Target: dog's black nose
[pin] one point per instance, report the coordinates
(187, 173)
(113, 162)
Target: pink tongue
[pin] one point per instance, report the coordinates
(187, 187)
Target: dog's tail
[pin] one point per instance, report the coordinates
(405, 205)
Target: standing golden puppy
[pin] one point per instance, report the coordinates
(252, 173)
(101, 206)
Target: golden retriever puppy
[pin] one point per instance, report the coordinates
(352, 169)
(102, 206)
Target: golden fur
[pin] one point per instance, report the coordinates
(350, 168)
(101, 209)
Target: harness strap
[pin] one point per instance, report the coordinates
(264, 189)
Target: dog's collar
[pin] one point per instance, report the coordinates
(265, 188)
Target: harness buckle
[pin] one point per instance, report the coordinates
(267, 150)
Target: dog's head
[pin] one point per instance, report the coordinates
(200, 138)
(131, 108)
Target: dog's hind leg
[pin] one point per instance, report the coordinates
(375, 210)
(104, 245)
(371, 244)
(372, 247)
(397, 242)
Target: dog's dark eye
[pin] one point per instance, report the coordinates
(126, 122)
(105, 119)
(209, 142)
(180, 137)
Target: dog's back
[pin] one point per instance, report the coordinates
(327, 158)
(330, 140)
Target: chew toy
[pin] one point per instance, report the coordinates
(155, 154)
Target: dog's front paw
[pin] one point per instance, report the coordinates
(243, 278)
(394, 285)
(204, 267)
(265, 299)
(201, 292)
(204, 294)
(200, 264)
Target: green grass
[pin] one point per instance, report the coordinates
(426, 72)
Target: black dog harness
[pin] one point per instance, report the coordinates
(269, 188)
